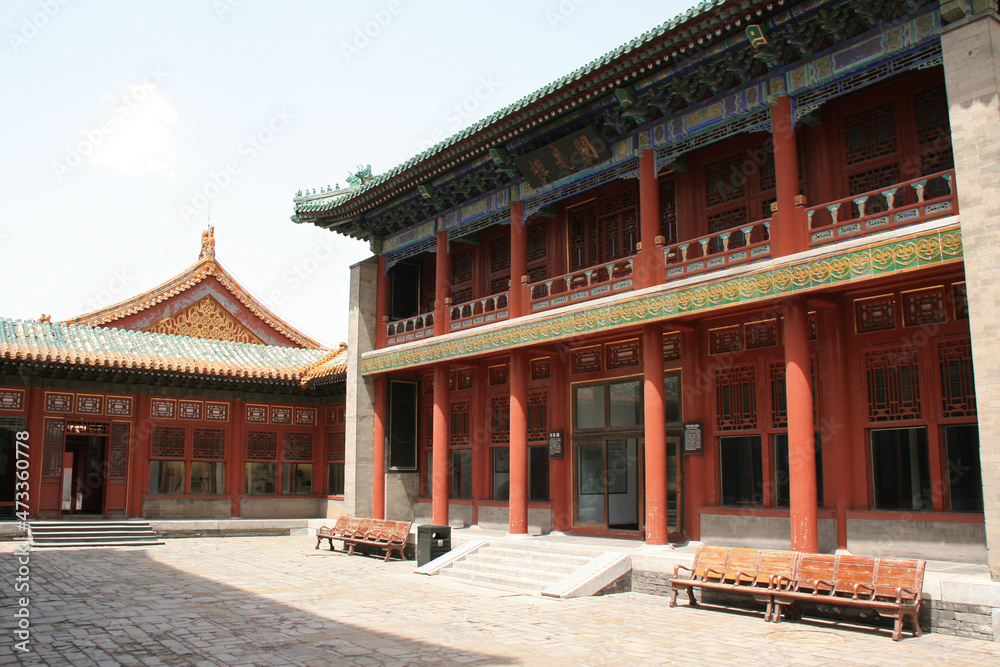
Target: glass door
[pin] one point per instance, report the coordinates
(608, 493)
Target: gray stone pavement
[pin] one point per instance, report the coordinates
(277, 601)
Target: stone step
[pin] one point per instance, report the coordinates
(505, 572)
(127, 543)
(548, 548)
(536, 564)
(534, 556)
(53, 534)
(519, 583)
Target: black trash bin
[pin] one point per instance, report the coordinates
(432, 541)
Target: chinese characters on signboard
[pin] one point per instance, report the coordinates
(565, 157)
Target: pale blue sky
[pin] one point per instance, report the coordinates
(120, 119)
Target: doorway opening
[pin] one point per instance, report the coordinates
(84, 474)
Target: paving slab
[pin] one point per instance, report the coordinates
(278, 601)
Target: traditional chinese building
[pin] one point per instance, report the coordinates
(725, 283)
(191, 400)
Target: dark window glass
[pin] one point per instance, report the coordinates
(964, 472)
(742, 477)
(900, 470)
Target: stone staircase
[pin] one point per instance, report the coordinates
(49, 534)
(521, 564)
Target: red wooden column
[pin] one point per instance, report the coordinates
(381, 303)
(518, 442)
(801, 443)
(138, 462)
(649, 270)
(442, 465)
(836, 432)
(34, 400)
(442, 288)
(788, 233)
(235, 475)
(518, 260)
(656, 435)
(378, 461)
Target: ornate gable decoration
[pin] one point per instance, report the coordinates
(206, 319)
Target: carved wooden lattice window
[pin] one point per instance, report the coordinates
(535, 275)
(500, 254)
(931, 110)
(538, 416)
(720, 222)
(668, 209)
(875, 314)
(335, 447)
(671, 347)
(498, 375)
(924, 307)
(737, 400)
(603, 231)
(498, 286)
(537, 242)
(55, 430)
(460, 424)
(209, 443)
(893, 384)
(167, 442)
(724, 182)
(461, 277)
(429, 426)
(262, 446)
(118, 454)
(500, 420)
(961, 301)
(779, 401)
(541, 368)
(870, 134)
(874, 179)
(298, 447)
(958, 387)
(465, 378)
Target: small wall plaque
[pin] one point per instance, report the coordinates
(555, 444)
(692, 438)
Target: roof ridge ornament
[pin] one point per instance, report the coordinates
(207, 244)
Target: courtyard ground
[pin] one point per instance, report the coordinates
(278, 601)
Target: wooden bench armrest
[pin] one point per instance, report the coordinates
(716, 573)
(678, 568)
(824, 582)
(780, 582)
(860, 588)
(912, 595)
(740, 577)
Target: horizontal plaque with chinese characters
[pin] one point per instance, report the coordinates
(565, 157)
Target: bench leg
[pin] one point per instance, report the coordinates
(673, 596)
(897, 627)
(318, 540)
(916, 624)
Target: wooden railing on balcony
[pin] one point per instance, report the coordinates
(881, 210)
(583, 285)
(721, 250)
(478, 312)
(414, 328)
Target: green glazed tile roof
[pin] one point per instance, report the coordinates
(24, 340)
(317, 203)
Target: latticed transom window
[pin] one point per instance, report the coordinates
(737, 400)
(893, 384)
(460, 423)
(262, 446)
(500, 420)
(958, 388)
(931, 110)
(298, 447)
(537, 416)
(167, 443)
(870, 134)
(335, 447)
(118, 454)
(54, 431)
(779, 402)
(209, 443)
